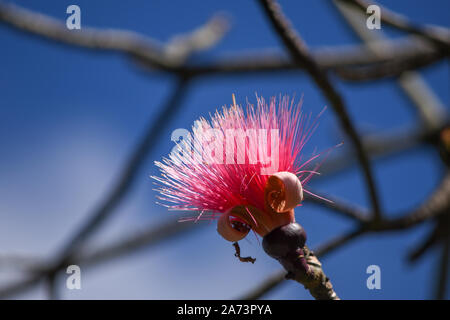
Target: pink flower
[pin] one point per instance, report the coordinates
(244, 168)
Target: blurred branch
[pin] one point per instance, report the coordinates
(353, 63)
(338, 206)
(52, 288)
(18, 262)
(182, 46)
(380, 146)
(439, 233)
(339, 58)
(139, 239)
(430, 109)
(442, 273)
(376, 146)
(170, 57)
(438, 203)
(146, 238)
(438, 35)
(300, 54)
(374, 60)
(150, 236)
(121, 189)
(387, 69)
(140, 47)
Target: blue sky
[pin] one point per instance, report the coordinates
(70, 117)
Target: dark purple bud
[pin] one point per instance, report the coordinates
(284, 241)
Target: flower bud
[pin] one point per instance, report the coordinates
(284, 240)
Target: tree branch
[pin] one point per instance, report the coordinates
(121, 189)
(170, 57)
(438, 203)
(146, 50)
(392, 68)
(300, 54)
(338, 206)
(430, 109)
(438, 36)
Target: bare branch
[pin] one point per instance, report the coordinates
(442, 273)
(372, 61)
(140, 47)
(129, 172)
(300, 53)
(121, 189)
(379, 146)
(150, 236)
(170, 57)
(180, 47)
(438, 203)
(439, 233)
(146, 238)
(339, 206)
(338, 58)
(438, 35)
(431, 110)
(387, 69)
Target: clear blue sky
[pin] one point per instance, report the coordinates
(70, 117)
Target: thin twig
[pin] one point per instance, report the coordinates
(338, 206)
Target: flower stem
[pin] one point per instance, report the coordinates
(287, 245)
